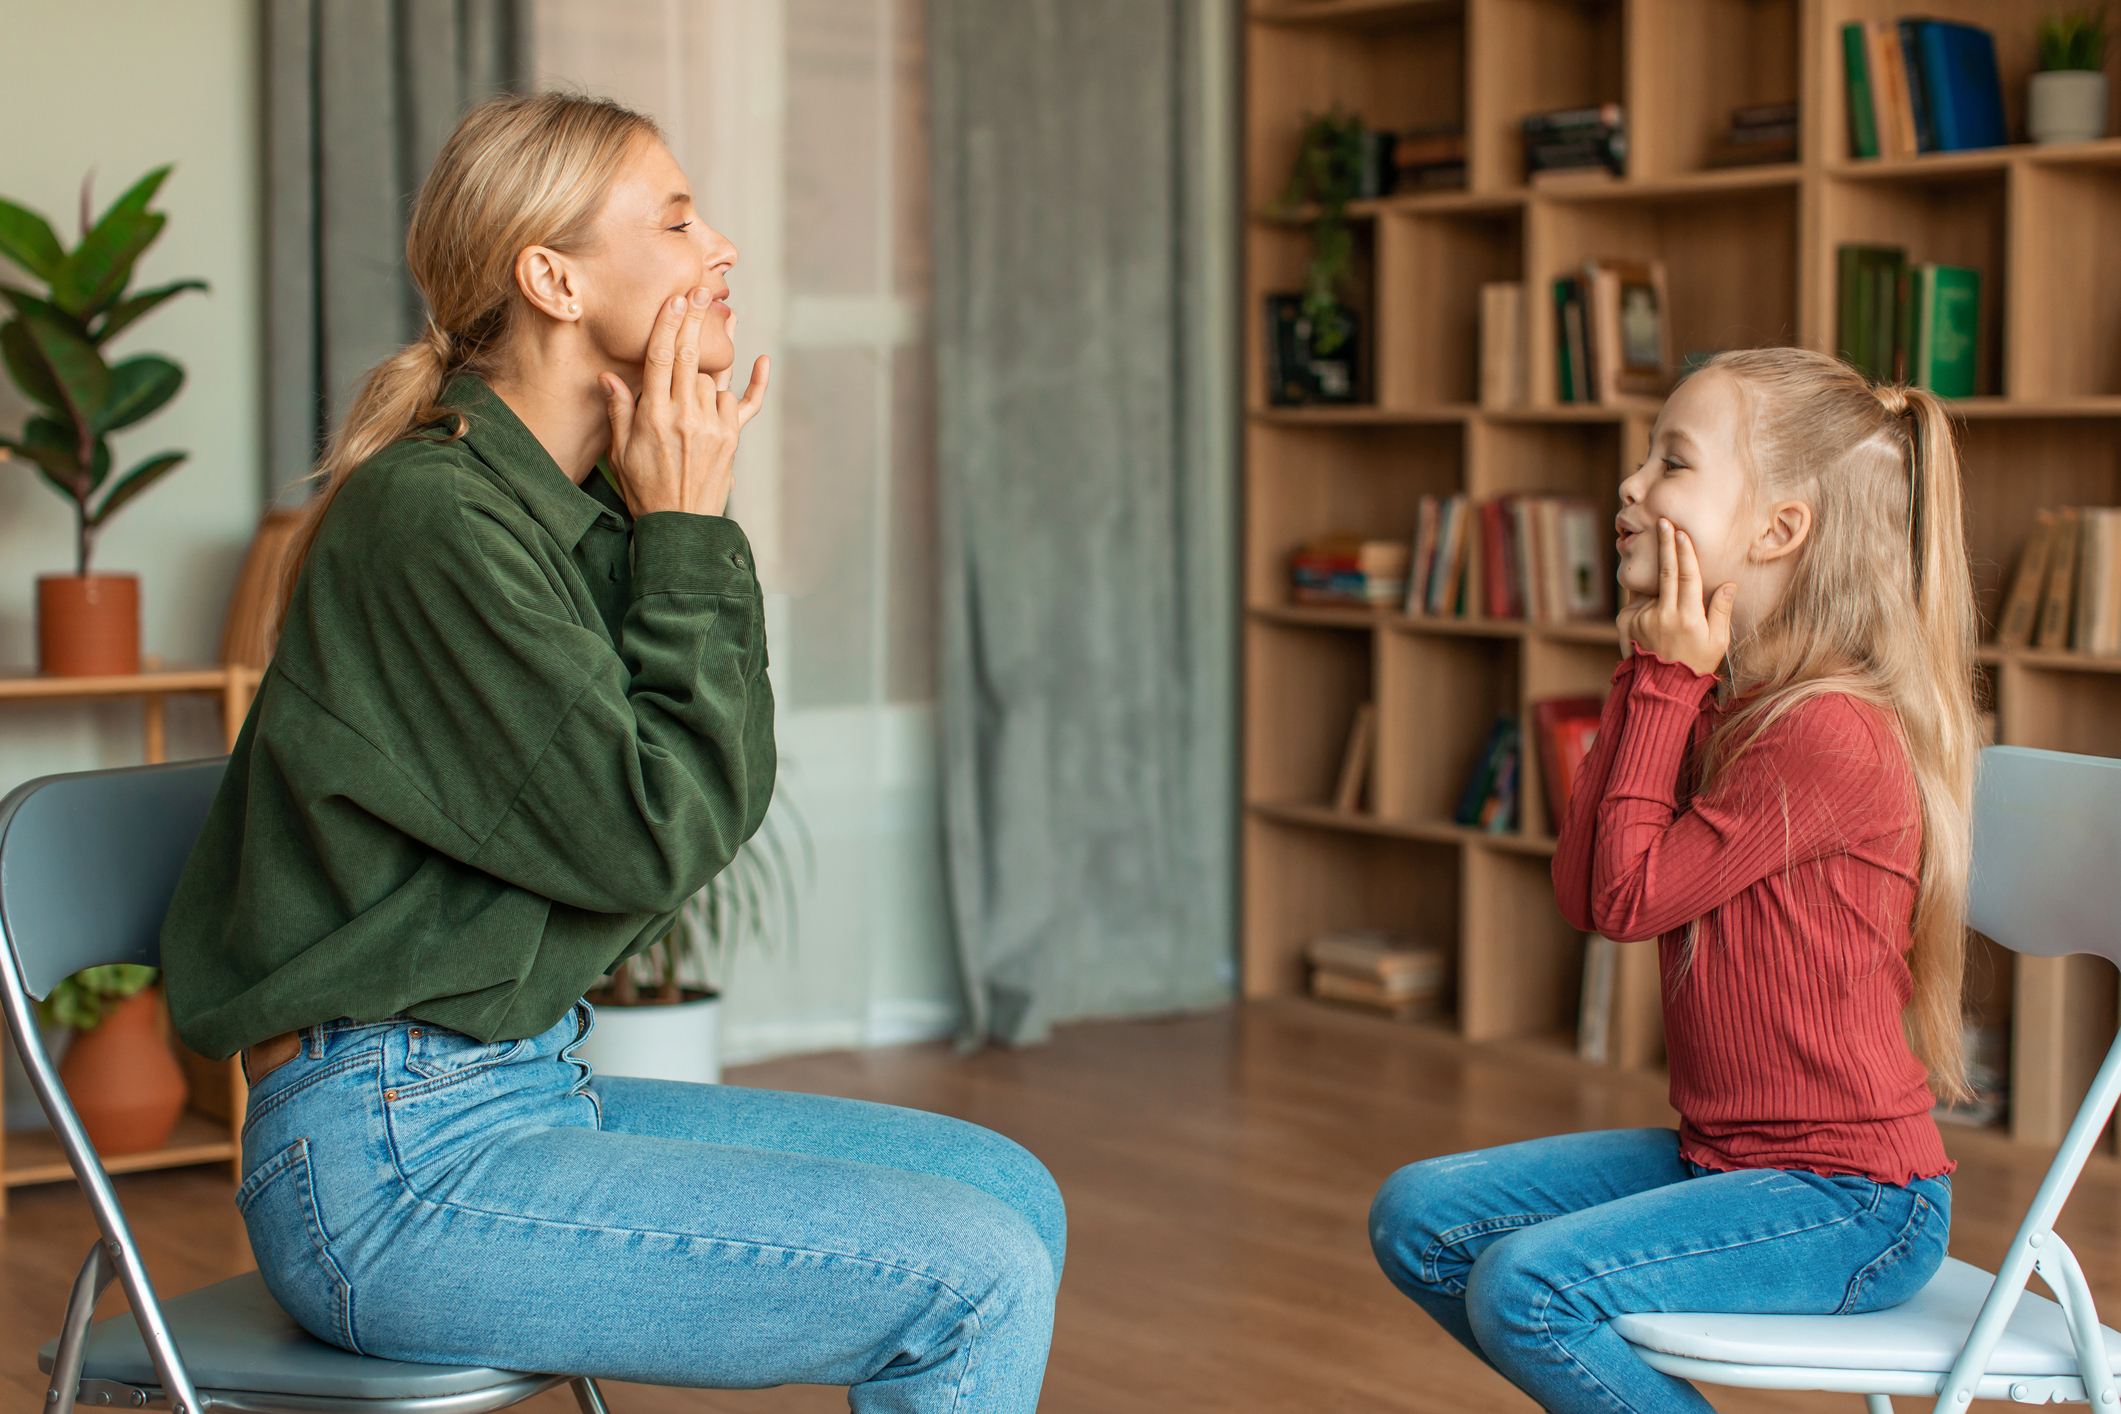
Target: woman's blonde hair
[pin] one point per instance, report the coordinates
(520, 170)
(1880, 606)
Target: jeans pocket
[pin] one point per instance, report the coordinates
(436, 1051)
(279, 1205)
(1906, 1264)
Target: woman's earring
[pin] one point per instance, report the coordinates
(574, 309)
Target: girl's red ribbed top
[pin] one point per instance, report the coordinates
(1801, 862)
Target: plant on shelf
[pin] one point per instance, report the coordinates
(125, 1083)
(55, 349)
(658, 1024)
(2066, 100)
(1326, 177)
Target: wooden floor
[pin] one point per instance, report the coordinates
(1217, 1170)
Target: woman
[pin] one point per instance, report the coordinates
(518, 713)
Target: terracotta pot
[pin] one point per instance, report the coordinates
(88, 625)
(123, 1079)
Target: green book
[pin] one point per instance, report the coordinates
(1863, 118)
(1947, 327)
(1867, 306)
(1885, 313)
(1565, 385)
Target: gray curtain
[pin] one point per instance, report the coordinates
(1083, 247)
(359, 96)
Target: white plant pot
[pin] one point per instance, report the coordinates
(22, 1108)
(681, 1041)
(2066, 105)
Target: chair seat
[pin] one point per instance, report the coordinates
(234, 1336)
(1921, 1334)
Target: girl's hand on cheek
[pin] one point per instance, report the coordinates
(1676, 625)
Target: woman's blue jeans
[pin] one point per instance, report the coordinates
(413, 1193)
(1525, 1253)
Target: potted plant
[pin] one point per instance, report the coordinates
(118, 1069)
(659, 1015)
(1313, 358)
(2066, 100)
(54, 347)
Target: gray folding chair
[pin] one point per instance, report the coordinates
(2046, 882)
(87, 866)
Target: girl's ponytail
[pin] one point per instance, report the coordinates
(1945, 769)
(520, 170)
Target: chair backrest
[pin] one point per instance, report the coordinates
(2047, 852)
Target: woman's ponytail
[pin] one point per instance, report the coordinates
(520, 170)
(397, 396)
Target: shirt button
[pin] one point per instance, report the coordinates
(737, 560)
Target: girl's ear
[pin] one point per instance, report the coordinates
(1788, 523)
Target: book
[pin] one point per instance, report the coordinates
(1856, 71)
(2056, 603)
(1568, 728)
(1374, 995)
(1586, 583)
(1503, 356)
(1383, 566)
(1962, 85)
(2088, 631)
(1423, 559)
(1595, 1011)
(1868, 307)
(1447, 566)
(1947, 309)
(1288, 361)
(1489, 799)
(1911, 65)
(1626, 330)
(1889, 96)
(1571, 337)
(2021, 607)
(1401, 966)
(1572, 139)
(1355, 763)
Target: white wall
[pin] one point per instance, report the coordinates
(800, 124)
(122, 86)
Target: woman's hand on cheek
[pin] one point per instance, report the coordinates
(674, 448)
(1676, 624)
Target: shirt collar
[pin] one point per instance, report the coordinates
(501, 440)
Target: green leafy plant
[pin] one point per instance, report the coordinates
(81, 1000)
(744, 902)
(54, 350)
(2073, 39)
(1326, 177)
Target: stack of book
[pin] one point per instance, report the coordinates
(1902, 323)
(1611, 338)
(1421, 159)
(1764, 132)
(1568, 729)
(2066, 593)
(1347, 569)
(1576, 142)
(1379, 971)
(1921, 86)
(1540, 558)
(1489, 801)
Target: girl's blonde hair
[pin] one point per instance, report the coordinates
(520, 170)
(1880, 607)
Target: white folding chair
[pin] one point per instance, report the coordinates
(2046, 882)
(87, 866)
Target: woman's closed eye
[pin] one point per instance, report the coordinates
(680, 226)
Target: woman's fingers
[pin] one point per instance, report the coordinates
(662, 352)
(684, 378)
(755, 391)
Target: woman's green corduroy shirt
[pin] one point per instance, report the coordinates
(505, 734)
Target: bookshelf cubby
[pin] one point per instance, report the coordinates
(1750, 255)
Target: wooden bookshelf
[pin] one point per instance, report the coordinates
(1750, 254)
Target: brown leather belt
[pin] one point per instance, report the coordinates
(268, 1056)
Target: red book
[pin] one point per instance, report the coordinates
(1495, 540)
(1568, 726)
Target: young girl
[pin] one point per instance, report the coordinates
(1795, 835)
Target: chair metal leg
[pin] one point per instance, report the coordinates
(97, 1272)
(1878, 1404)
(591, 1398)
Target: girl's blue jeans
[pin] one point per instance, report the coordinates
(413, 1193)
(1525, 1253)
